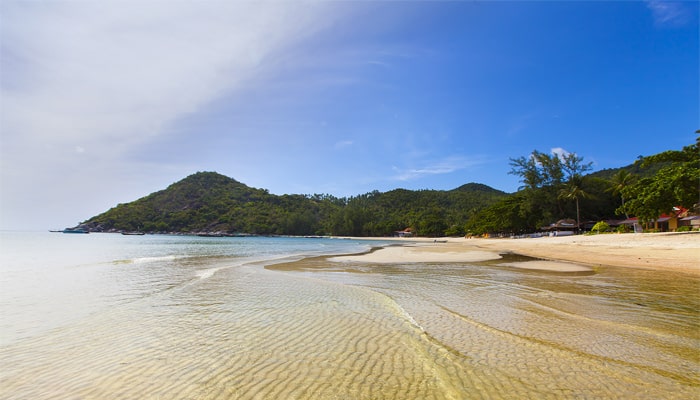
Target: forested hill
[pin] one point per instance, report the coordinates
(211, 202)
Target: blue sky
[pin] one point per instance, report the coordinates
(105, 102)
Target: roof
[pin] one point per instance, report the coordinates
(562, 224)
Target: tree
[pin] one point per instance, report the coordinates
(574, 190)
(573, 165)
(537, 170)
(621, 180)
(676, 183)
(548, 178)
(506, 215)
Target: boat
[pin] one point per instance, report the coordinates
(134, 233)
(75, 230)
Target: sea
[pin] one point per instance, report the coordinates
(109, 316)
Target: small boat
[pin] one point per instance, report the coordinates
(75, 230)
(133, 233)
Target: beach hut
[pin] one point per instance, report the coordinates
(563, 227)
(408, 232)
(666, 222)
(683, 217)
(633, 224)
(693, 221)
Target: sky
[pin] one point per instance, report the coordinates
(105, 102)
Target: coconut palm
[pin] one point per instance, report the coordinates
(621, 180)
(574, 190)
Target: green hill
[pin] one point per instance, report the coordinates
(211, 202)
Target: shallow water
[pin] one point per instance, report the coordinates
(614, 333)
(316, 329)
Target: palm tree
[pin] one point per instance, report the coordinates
(574, 190)
(621, 180)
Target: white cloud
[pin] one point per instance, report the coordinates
(559, 152)
(668, 13)
(111, 76)
(123, 71)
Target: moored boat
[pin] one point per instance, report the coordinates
(75, 230)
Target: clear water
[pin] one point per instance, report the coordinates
(109, 316)
(51, 279)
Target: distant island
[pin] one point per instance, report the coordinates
(555, 188)
(211, 203)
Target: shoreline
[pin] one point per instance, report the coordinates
(659, 251)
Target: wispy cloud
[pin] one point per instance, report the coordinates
(669, 13)
(99, 80)
(441, 167)
(110, 74)
(343, 144)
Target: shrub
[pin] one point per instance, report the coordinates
(623, 229)
(684, 229)
(600, 227)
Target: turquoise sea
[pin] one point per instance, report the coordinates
(106, 316)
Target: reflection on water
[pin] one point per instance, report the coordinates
(316, 329)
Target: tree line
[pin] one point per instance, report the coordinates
(555, 187)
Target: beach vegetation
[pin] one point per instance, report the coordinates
(618, 183)
(623, 229)
(676, 183)
(557, 186)
(549, 182)
(600, 227)
(573, 190)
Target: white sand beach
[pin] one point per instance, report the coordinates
(673, 251)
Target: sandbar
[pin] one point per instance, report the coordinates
(667, 251)
(419, 253)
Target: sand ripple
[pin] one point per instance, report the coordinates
(322, 330)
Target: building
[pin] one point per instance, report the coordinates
(680, 217)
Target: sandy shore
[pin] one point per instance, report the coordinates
(673, 251)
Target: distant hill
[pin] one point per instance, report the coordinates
(635, 168)
(478, 187)
(211, 202)
(201, 202)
